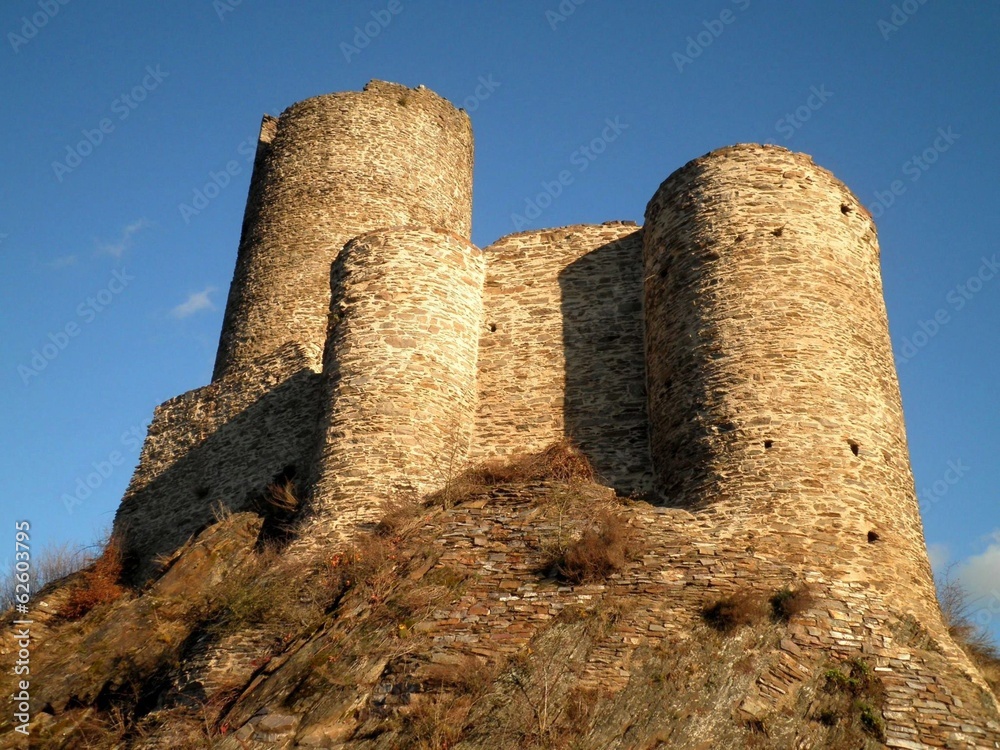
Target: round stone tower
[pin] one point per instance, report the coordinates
(399, 367)
(773, 395)
(331, 168)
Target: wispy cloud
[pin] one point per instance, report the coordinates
(63, 261)
(195, 303)
(124, 241)
(980, 574)
(940, 555)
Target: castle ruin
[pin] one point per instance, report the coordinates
(732, 357)
(730, 361)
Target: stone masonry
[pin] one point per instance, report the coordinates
(331, 168)
(400, 368)
(730, 362)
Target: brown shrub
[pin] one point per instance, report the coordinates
(731, 612)
(788, 603)
(600, 551)
(561, 462)
(99, 584)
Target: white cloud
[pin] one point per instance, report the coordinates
(979, 575)
(940, 555)
(118, 248)
(196, 302)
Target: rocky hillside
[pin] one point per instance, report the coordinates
(525, 606)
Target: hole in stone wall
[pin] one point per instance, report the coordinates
(202, 492)
(844, 208)
(779, 231)
(855, 448)
(492, 327)
(873, 536)
(768, 444)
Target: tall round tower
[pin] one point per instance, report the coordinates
(399, 369)
(773, 395)
(331, 168)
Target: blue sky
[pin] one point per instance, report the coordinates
(120, 113)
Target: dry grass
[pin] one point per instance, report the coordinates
(560, 462)
(99, 584)
(600, 552)
(735, 611)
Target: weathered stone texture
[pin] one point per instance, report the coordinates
(773, 391)
(399, 367)
(220, 445)
(561, 353)
(331, 168)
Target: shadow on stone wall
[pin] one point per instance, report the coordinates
(605, 401)
(231, 467)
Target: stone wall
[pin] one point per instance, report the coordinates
(331, 168)
(773, 390)
(399, 369)
(561, 353)
(220, 445)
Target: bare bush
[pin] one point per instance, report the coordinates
(48, 565)
(601, 551)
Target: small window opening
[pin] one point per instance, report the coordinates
(845, 209)
(202, 492)
(779, 231)
(768, 444)
(493, 327)
(873, 536)
(855, 448)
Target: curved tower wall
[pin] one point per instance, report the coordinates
(331, 168)
(399, 368)
(774, 399)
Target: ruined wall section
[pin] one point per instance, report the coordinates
(220, 445)
(774, 399)
(561, 353)
(337, 166)
(399, 370)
